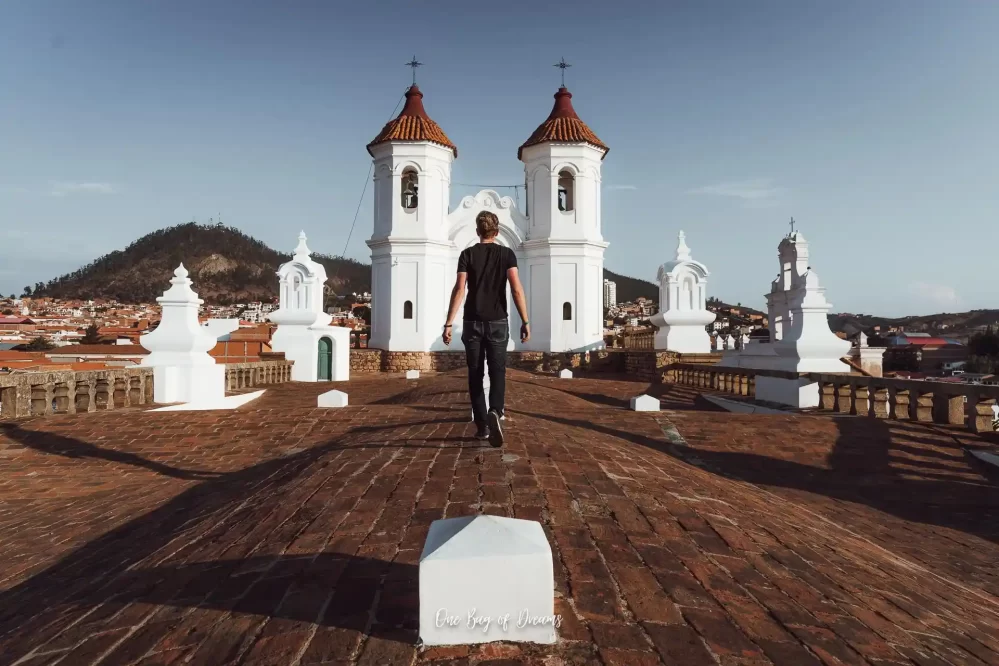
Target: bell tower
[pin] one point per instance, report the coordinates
(565, 246)
(409, 246)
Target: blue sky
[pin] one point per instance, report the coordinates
(873, 123)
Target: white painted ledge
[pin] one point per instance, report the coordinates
(228, 402)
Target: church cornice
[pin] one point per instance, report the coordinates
(567, 243)
(411, 242)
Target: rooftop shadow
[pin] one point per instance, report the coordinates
(860, 471)
(110, 570)
(68, 447)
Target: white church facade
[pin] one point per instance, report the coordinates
(416, 239)
(321, 352)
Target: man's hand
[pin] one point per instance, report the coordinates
(447, 335)
(525, 332)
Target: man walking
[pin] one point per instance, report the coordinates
(485, 269)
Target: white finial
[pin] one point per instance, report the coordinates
(181, 272)
(302, 248)
(682, 251)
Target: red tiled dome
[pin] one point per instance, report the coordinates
(563, 126)
(413, 124)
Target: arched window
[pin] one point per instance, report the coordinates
(407, 310)
(688, 287)
(296, 291)
(566, 191)
(410, 189)
(567, 311)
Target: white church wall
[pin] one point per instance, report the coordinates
(559, 252)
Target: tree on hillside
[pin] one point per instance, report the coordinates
(27, 291)
(91, 336)
(36, 345)
(363, 312)
(7, 311)
(984, 344)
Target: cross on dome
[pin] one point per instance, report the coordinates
(414, 63)
(562, 65)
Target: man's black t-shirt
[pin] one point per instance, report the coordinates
(486, 265)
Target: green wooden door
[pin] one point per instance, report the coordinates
(325, 359)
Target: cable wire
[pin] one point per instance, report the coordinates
(364, 191)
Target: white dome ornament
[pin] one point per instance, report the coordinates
(183, 370)
(683, 315)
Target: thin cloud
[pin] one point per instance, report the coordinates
(612, 188)
(755, 191)
(939, 294)
(64, 189)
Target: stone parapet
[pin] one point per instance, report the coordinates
(247, 375)
(967, 406)
(24, 394)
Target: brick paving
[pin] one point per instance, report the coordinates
(286, 535)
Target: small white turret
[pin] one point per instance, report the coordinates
(683, 315)
(183, 370)
(320, 352)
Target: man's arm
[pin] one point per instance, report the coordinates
(520, 301)
(456, 296)
(517, 289)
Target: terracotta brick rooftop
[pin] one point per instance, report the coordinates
(103, 350)
(286, 535)
(413, 124)
(563, 125)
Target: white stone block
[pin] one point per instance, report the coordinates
(333, 399)
(412, 374)
(565, 374)
(645, 403)
(484, 579)
(797, 393)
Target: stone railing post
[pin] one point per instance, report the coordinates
(879, 403)
(898, 404)
(120, 391)
(827, 396)
(921, 409)
(39, 400)
(844, 399)
(861, 401)
(134, 390)
(980, 414)
(60, 398)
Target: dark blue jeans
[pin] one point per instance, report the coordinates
(486, 341)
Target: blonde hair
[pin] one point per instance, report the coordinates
(487, 224)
